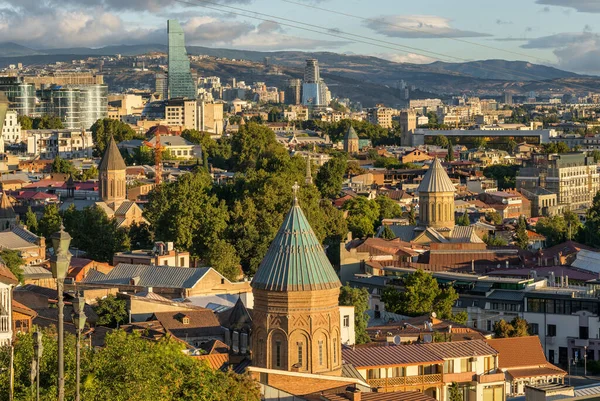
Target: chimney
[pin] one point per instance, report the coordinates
(353, 394)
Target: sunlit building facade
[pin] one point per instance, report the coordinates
(180, 81)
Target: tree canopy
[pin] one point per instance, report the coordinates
(13, 260)
(518, 327)
(330, 176)
(104, 128)
(504, 174)
(111, 311)
(359, 298)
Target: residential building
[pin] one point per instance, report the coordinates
(7, 282)
(180, 82)
(573, 177)
(314, 89)
(381, 116)
(178, 147)
(523, 362)
(11, 130)
(162, 255)
(210, 117)
(65, 143)
(78, 106)
(293, 91)
(416, 156)
(195, 327)
(31, 247)
(20, 94)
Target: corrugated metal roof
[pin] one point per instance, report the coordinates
(461, 349)
(295, 260)
(436, 179)
(151, 276)
(506, 295)
(393, 355)
(465, 234)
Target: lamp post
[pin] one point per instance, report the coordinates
(79, 318)
(38, 348)
(60, 264)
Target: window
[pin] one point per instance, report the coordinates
(334, 350)
(346, 320)
(488, 364)
(373, 374)
(300, 361)
(399, 371)
(278, 353)
(464, 365)
(181, 262)
(449, 366)
(583, 332)
(534, 329)
(551, 330)
(320, 352)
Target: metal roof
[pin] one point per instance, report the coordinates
(436, 179)
(393, 355)
(112, 159)
(506, 295)
(295, 260)
(151, 276)
(461, 349)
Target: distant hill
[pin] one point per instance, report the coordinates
(504, 70)
(10, 49)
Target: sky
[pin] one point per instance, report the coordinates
(560, 33)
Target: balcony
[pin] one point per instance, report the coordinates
(490, 378)
(459, 377)
(406, 381)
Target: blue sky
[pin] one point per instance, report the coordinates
(562, 33)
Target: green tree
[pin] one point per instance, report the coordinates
(521, 236)
(411, 216)
(421, 295)
(13, 260)
(140, 236)
(251, 143)
(25, 121)
(480, 142)
(330, 176)
(104, 128)
(518, 327)
(363, 215)
(463, 220)
(454, 392)
(504, 174)
(558, 229)
(387, 233)
(47, 122)
(450, 154)
(596, 155)
(89, 174)
(111, 311)
(31, 220)
(591, 230)
(388, 209)
(50, 222)
(60, 165)
(441, 140)
(555, 147)
(222, 256)
(492, 240)
(494, 217)
(359, 298)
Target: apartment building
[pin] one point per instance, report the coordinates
(381, 116)
(11, 130)
(573, 177)
(66, 143)
(195, 114)
(408, 125)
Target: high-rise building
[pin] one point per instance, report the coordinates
(508, 98)
(181, 83)
(408, 125)
(311, 71)
(293, 91)
(160, 86)
(20, 94)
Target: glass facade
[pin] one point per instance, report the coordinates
(77, 106)
(20, 95)
(180, 79)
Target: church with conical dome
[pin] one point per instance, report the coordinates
(296, 317)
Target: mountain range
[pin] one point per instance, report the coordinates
(438, 78)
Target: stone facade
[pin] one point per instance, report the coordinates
(436, 209)
(297, 331)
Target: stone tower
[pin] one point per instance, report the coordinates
(296, 318)
(436, 198)
(111, 174)
(8, 217)
(351, 141)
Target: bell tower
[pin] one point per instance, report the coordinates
(112, 184)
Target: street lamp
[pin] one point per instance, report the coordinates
(78, 317)
(60, 265)
(38, 349)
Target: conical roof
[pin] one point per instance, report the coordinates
(112, 159)
(351, 133)
(6, 208)
(295, 260)
(436, 179)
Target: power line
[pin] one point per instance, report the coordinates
(342, 35)
(407, 28)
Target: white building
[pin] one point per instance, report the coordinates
(11, 131)
(7, 283)
(348, 333)
(66, 143)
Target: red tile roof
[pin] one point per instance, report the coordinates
(519, 352)
(7, 277)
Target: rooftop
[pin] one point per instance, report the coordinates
(436, 179)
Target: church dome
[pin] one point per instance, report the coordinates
(436, 179)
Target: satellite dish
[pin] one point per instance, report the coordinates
(427, 338)
(397, 340)
(433, 315)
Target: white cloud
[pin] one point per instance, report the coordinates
(418, 26)
(411, 58)
(575, 51)
(584, 6)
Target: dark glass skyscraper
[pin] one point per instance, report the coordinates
(181, 83)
